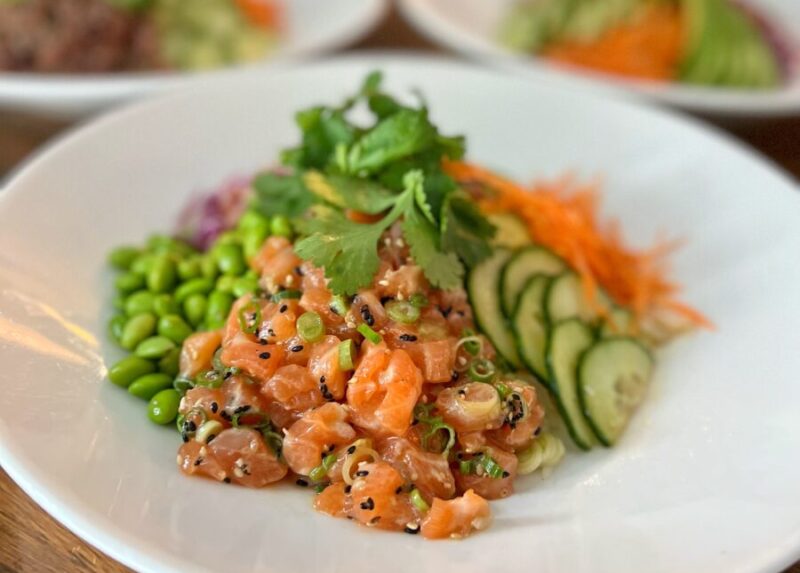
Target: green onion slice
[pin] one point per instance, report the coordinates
(310, 326)
(418, 501)
(402, 312)
(346, 355)
(369, 334)
(482, 370)
(250, 317)
(286, 294)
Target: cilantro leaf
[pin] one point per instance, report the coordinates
(348, 251)
(442, 269)
(465, 230)
(350, 192)
(396, 137)
(281, 195)
(323, 130)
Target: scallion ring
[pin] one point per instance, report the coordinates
(418, 501)
(310, 326)
(482, 370)
(286, 294)
(346, 355)
(402, 311)
(369, 334)
(250, 317)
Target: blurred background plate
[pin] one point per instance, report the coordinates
(705, 480)
(312, 27)
(472, 28)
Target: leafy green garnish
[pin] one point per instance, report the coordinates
(392, 167)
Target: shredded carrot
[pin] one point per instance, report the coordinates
(649, 46)
(262, 13)
(562, 216)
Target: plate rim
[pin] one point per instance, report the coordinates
(149, 559)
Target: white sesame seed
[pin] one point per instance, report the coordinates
(462, 360)
(400, 243)
(383, 283)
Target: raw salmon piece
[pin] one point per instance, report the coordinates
(242, 396)
(294, 388)
(378, 499)
(317, 433)
(279, 320)
(209, 400)
(382, 394)
(436, 359)
(457, 517)
(333, 500)
(472, 407)
(238, 455)
(489, 487)
(259, 361)
(429, 472)
(197, 352)
(276, 262)
(233, 327)
(515, 435)
(324, 366)
(399, 283)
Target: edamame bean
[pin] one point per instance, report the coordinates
(219, 305)
(194, 308)
(230, 260)
(122, 257)
(124, 372)
(189, 268)
(225, 283)
(137, 329)
(142, 264)
(162, 275)
(129, 282)
(164, 304)
(147, 386)
(154, 347)
(252, 241)
(192, 287)
(253, 220)
(227, 238)
(170, 364)
(281, 226)
(163, 407)
(243, 286)
(119, 302)
(208, 267)
(115, 326)
(174, 327)
(139, 302)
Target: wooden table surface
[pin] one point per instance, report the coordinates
(33, 542)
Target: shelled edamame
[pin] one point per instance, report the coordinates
(167, 290)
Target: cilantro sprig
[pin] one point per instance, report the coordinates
(391, 168)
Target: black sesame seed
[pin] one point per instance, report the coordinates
(411, 529)
(225, 416)
(271, 332)
(283, 308)
(210, 438)
(506, 474)
(454, 376)
(322, 379)
(298, 348)
(375, 520)
(264, 355)
(537, 431)
(301, 482)
(228, 374)
(368, 505)
(191, 426)
(347, 488)
(351, 449)
(263, 341)
(214, 407)
(399, 490)
(385, 299)
(242, 409)
(362, 473)
(367, 315)
(227, 480)
(299, 271)
(446, 311)
(198, 461)
(408, 338)
(184, 437)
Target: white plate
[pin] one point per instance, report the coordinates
(470, 27)
(705, 480)
(313, 27)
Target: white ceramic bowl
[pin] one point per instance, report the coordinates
(313, 28)
(704, 480)
(470, 27)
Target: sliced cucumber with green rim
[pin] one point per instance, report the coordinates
(483, 287)
(568, 340)
(565, 299)
(619, 322)
(530, 326)
(511, 231)
(525, 263)
(613, 376)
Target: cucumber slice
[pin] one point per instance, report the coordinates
(511, 231)
(483, 288)
(568, 340)
(613, 376)
(565, 299)
(530, 326)
(527, 262)
(619, 322)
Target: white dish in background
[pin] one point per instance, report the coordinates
(312, 28)
(704, 480)
(471, 28)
